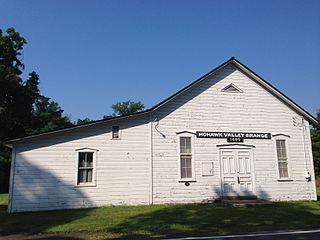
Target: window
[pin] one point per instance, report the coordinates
(85, 167)
(115, 132)
(185, 158)
(282, 158)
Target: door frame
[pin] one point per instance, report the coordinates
(237, 147)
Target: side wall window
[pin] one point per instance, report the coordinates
(186, 158)
(115, 132)
(282, 158)
(86, 167)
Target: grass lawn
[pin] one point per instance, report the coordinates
(3, 199)
(318, 187)
(200, 219)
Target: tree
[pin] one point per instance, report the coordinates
(82, 121)
(127, 107)
(47, 116)
(315, 136)
(16, 96)
(23, 110)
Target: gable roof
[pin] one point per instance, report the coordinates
(232, 60)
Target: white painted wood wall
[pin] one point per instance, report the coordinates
(45, 167)
(205, 108)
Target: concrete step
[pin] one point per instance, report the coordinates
(245, 202)
(250, 197)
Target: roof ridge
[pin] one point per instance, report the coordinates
(231, 60)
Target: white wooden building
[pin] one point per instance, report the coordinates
(229, 133)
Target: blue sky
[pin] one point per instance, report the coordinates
(91, 54)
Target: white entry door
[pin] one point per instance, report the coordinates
(236, 172)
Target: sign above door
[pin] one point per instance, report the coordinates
(233, 135)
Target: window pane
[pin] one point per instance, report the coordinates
(188, 162)
(186, 166)
(81, 176)
(281, 149)
(183, 162)
(183, 173)
(188, 145)
(82, 157)
(89, 162)
(284, 151)
(185, 145)
(182, 145)
(283, 169)
(115, 132)
(89, 175)
(189, 175)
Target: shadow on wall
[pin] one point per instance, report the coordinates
(260, 193)
(44, 192)
(36, 189)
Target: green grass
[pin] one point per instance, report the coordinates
(318, 186)
(3, 199)
(166, 219)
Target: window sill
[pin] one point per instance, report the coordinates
(187, 180)
(285, 180)
(86, 185)
(115, 138)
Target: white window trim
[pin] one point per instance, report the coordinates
(286, 139)
(193, 172)
(112, 132)
(94, 173)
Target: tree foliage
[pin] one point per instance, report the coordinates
(23, 110)
(83, 121)
(48, 116)
(315, 136)
(127, 107)
(16, 96)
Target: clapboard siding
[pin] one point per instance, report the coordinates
(143, 166)
(205, 108)
(45, 168)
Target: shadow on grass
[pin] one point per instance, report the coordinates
(43, 196)
(201, 219)
(53, 237)
(165, 220)
(37, 222)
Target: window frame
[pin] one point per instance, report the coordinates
(193, 177)
(119, 133)
(282, 137)
(94, 166)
